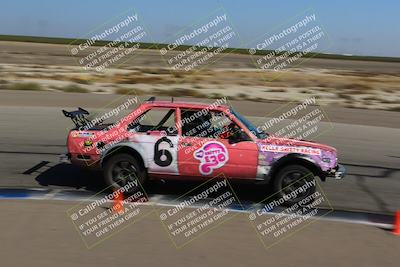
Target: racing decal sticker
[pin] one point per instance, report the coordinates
(212, 155)
(291, 149)
(88, 143)
(162, 157)
(158, 151)
(81, 134)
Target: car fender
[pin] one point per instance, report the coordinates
(296, 158)
(136, 147)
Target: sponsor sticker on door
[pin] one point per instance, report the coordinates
(212, 155)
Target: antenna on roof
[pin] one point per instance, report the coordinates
(172, 100)
(151, 99)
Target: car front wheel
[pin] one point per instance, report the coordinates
(294, 184)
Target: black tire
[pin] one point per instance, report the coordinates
(292, 177)
(119, 169)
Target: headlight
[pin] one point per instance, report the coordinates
(326, 160)
(262, 159)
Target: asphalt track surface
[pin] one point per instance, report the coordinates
(39, 233)
(33, 135)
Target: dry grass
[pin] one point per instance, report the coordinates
(137, 78)
(343, 95)
(73, 88)
(29, 86)
(129, 91)
(82, 79)
(354, 85)
(337, 87)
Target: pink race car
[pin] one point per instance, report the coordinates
(185, 140)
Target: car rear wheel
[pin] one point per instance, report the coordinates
(120, 169)
(295, 183)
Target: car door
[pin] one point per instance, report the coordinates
(152, 132)
(204, 151)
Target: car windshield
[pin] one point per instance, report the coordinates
(257, 132)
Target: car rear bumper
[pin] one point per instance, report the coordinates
(86, 161)
(338, 172)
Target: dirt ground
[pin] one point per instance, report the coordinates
(23, 67)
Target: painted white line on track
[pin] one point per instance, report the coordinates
(355, 217)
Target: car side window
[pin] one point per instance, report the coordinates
(155, 119)
(207, 124)
(223, 126)
(195, 122)
(220, 121)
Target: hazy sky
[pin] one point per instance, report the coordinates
(360, 27)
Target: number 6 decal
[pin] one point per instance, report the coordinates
(162, 157)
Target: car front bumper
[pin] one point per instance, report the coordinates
(337, 173)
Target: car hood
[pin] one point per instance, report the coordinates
(278, 141)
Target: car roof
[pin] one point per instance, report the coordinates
(182, 104)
